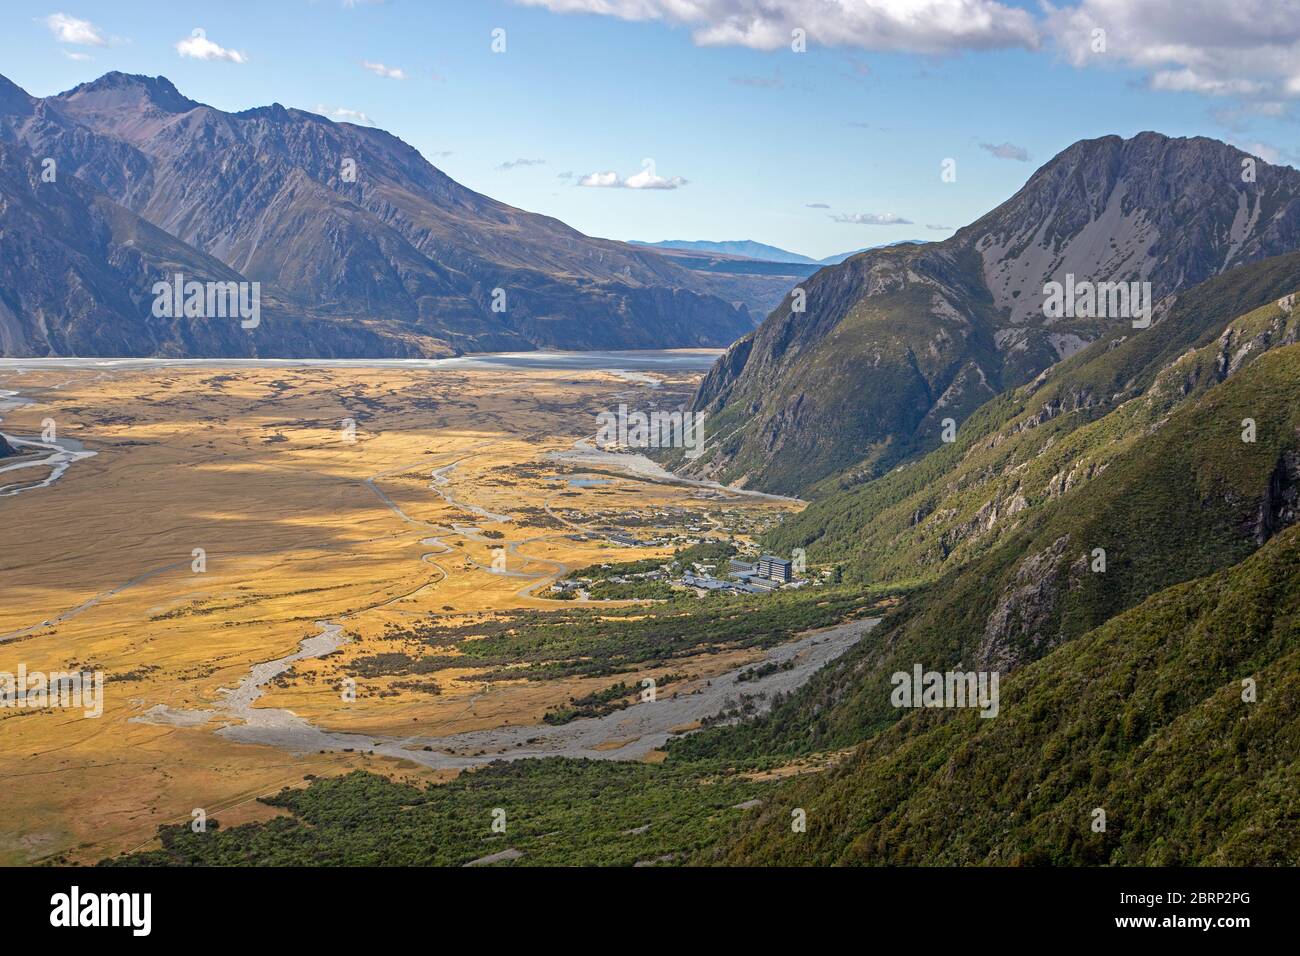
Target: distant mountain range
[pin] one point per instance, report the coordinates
(748, 249)
(895, 341)
(362, 248)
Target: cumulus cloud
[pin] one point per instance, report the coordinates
(913, 26)
(197, 46)
(516, 163)
(344, 115)
(1269, 154)
(1213, 48)
(382, 69)
(1007, 151)
(1208, 47)
(69, 29)
(1238, 118)
(1273, 155)
(937, 228)
(647, 178)
(1188, 80)
(872, 219)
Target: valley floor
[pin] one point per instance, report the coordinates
(279, 570)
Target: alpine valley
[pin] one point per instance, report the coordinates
(358, 610)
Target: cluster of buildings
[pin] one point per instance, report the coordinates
(768, 573)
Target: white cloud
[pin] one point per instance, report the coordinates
(647, 178)
(516, 163)
(343, 114)
(67, 29)
(609, 179)
(1214, 48)
(1269, 154)
(817, 205)
(1274, 155)
(1207, 47)
(79, 57)
(197, 46)
(380, 69)
(872, 219)
(1007, 151)
(1188, 80)
(914, 26)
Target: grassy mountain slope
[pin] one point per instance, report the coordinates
(1143, 717)
(1172, 500)
(1033, 444)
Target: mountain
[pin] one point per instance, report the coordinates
(894, 341)
(6, 449)
(1143, 717)
(837, 259)
(1163, 689)
(1119, 681)
(747, 248)
(1135, 448)
(759, 284)
(92, 293)
(351, 232)
(910, 523)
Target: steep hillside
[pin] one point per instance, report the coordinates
(1143, 717)
(98, 261)
(349, 222)
(1027, 446)
(894, 341)
(746, 248)
(1164, 485)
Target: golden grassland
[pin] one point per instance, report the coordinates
(298, 524)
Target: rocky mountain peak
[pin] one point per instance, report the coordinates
(122, 89)
(14, 99)
(893, 343)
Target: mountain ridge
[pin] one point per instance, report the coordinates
(893, 342)
(750, 249)
(396, 259)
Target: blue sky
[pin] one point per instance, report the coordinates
(809, 151)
